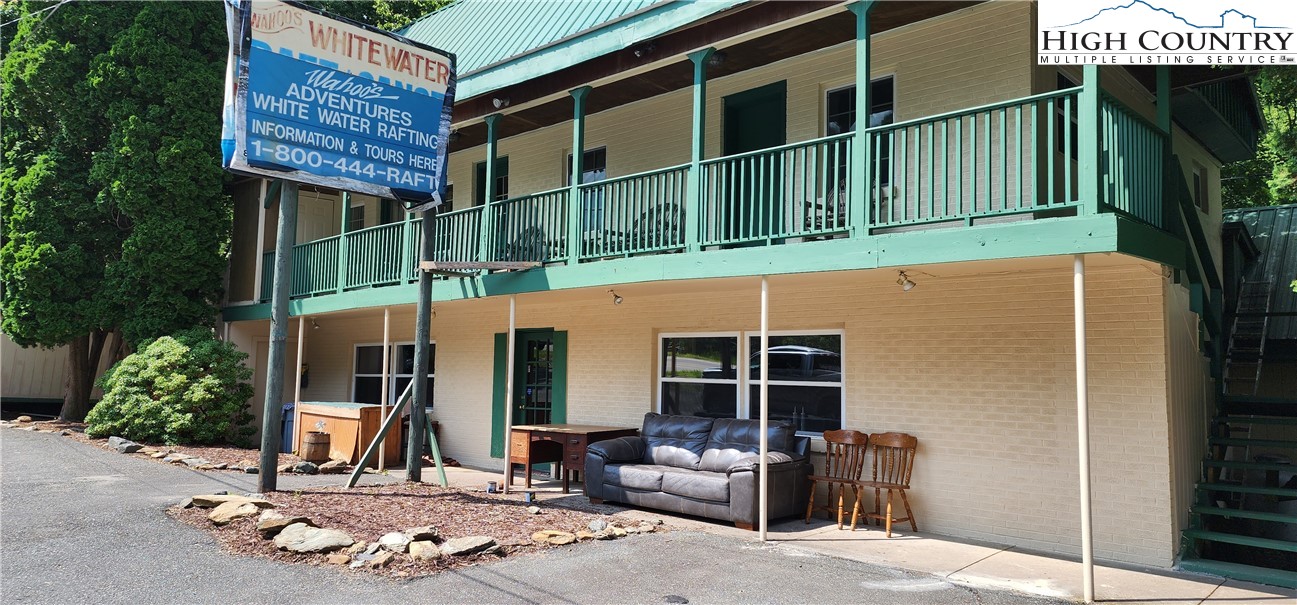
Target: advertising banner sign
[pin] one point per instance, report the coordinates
(330, 102)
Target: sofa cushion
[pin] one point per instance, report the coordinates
(731, 439)
(699, 485)
(676, 441)
(635, 476)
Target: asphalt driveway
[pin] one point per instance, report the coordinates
(79, 524)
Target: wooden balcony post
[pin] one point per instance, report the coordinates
(697, 151)
(860, 192)
(342, 241)
(1089, 142)
(575, 210)
(487, 224)
(407, 248)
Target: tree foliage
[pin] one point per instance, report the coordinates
(384, 14)
(1271, 177)
(188, 388)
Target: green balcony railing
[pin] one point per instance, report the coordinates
(634, 214)
(374, 255)
(458, 234)
(1002, 159)
(267, 275)
(1133, 153)
(797, 190)
(315, 267)
(530, 228)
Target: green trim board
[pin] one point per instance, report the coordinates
(497, 394)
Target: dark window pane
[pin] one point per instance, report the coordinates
(700, 357)
(695, 399)
(813, 409)
(806, 358)
(369, 360)
(404, 359)
(369, 389)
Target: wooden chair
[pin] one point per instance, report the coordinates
(893, 462)
(844, 460)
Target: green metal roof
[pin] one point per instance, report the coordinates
(502, 42)
(1274, 231)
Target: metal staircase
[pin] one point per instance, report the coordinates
(1247, 337)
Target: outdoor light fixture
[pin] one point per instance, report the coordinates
(314, 325)
(616, 299)
(717, 58)
(904, 282)
(644, 50)
(454, 135)
(500, 102)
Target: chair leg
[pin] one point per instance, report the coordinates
(888, 517)
(878, 507)
(842, 492)
(810, 502)
(855, 507)
(909, 513)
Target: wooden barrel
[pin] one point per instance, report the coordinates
(315, 447)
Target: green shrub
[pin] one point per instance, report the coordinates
(187, 388)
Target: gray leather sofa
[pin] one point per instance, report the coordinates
(700, 466)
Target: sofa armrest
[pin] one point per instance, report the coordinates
(787, 486)
(751, 462)
(619, 450)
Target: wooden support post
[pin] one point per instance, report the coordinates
(261, 241)
(342, 241)
(860, 193)
(1083, 426)
(422, 333)
(383, 382)
(508, 393)
(1089, 119)
(575, 208)
(763, 480)
(272, 411)
(697, 151)
(297, 381)
(486, 246)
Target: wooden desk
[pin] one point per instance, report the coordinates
(561, 443)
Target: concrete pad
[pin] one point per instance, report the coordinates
(1054, 577)
(1236, 591)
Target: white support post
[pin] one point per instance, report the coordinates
(261, 241)
(1083, 428)
(763, 478)
(387, 365)
(508, 394)
(297, 381)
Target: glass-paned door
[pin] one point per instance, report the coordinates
(534, 377)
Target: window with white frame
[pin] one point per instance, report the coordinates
(697, 377)
(367, 376)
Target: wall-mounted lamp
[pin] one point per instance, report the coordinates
(616, 299)
(500, 102)
(905, 282)
(314, 325)
(644, 50)
(454, 135)
(717, 59)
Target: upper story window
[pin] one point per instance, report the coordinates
(1200, 196)
(594, 168)
(840, 117)
(356, 217)
(501, 181)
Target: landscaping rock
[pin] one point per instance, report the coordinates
(251, 470)
(533, 510)
(617, 532)
(270, 523)
(229, 511)
(634, 529)
(23, 419)
(65, 433)
(338, 559)
(333, 467)
(497, 550)
(357, 548)
(394, 541)
(598, 525)
(604, 534)
(211, 500)
(124, 446)
(306, 468)
(427, 532)
(458, 547)
(424, 550)
(285, 468)
(220, 466)
(196, 462)
(300, 537)
(373, 548)
(585, 535)
(553, 536)
(156, 455)
(381, 559)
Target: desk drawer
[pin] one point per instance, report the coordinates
(574, 455)
(518, 445)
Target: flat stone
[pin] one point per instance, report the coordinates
(229, 511)
(424, 550)
(373, 548)
(306, 468)
(23, 419)
(497, 550)
(124, 446)
(468, 545)
(211, 500)
(251, 470)
(338, 559)
(220, 466)
(300, 537)
(645, 528)
(360, 559)
(381, 559)
(196, 462)
(158, 455)
(427, 532)
(533, 510)
(186, 503)
(604, 534)
(357, 548)
(553, 536)
(394, 541)
(617, 532)
(635, 529)
(333, 467)
(598, 525)
(270, 523)
(65, 432)
(585, 534)
(285, 468)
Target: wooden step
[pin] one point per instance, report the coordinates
(1242, 419)
(1249, 489)
(1251, 466)
(1238, 571)
(1244, 442)
(1253, 541)
(1244, 514)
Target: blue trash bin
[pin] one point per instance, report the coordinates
(286, 436)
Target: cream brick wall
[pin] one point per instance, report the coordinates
(1189, 402)
(979, 366)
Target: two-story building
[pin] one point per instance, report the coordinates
(912, 185)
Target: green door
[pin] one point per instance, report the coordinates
(753, 120)
(539, 381)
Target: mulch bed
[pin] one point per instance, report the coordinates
(366, 513)
(228, 454)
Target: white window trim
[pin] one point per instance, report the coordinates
(391, 382)
(743, 381)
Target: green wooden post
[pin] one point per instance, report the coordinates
(1169, 210)
(575, 210)
(407, 247)
(860, 191)
(342, 241)
(1089, 124)
(273, 412)
(486, 222)
(697, 151)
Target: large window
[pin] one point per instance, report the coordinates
(501, 181)
(594, 168)
(697, 377)
(367, 378)
(840, 117)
